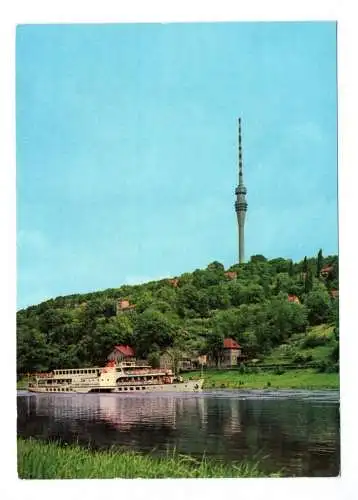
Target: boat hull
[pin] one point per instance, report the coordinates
(186, 386)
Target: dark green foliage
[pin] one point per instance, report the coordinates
(205, 307)
(326, 366)
(319, 263)
(214, 345)
(318, 304)
(314, 341)
(154, 359)
(258, 258)
(302, 359)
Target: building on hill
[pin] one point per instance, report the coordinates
(231, 275)
(123, 305)
(325, 271)
(294, 299)
(335, 294)
(122, 353)
(174, 282)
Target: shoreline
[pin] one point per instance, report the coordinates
(50, 460)
(308, 379)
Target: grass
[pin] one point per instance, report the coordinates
(22, 384)
(37, 460)
(291, 379)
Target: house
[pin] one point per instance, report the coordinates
(335, 294)
(326, 270)
(231, 275)
(174, 282)
(123, 305)
(231, 354)
(294, 299)
(122, 353)
(202, 360)
(166, 361)
(185, 362)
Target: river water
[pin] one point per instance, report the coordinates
(297, 432)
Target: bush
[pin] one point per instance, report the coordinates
(301, 359)
(327, 367)
(242, 368)
(335, 353)
(314, 341)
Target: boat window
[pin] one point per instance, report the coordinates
(126, 388)
(119, 388)
(131, 388)
(143, 388)
(137, 388)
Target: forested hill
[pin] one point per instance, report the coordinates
(261, 304)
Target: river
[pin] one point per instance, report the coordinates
(297, 432)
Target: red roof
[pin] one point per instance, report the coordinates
(124, 304)
(231, 344)
(293, 298)
(326, 269)
(126, 350)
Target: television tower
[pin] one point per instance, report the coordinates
(241, 204)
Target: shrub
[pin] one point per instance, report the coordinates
(301, 359)
(242, 368)
(314, 341)
(327, 367)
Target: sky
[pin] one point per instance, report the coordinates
(127, 149)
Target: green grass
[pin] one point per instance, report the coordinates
(22, 384)
(291, 379)
(37, 460)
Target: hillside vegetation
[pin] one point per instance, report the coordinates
(193, 314)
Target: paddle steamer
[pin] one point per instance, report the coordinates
(126, 377)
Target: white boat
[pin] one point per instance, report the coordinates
(125, 378)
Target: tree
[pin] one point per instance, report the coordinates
(152, 327)
(258, 258)
(218, 297)
(154, 359)
(318, 306)
(290, 268)
(308, 282)
(215, 345)
(319, 263)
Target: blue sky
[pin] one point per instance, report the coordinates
(127, 149)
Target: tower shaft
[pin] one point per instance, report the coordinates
(241, 203)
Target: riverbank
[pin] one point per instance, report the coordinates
(231, 379)
(22, 384)
(37, 460)
(291, 379)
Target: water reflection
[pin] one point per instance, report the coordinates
(295, 431)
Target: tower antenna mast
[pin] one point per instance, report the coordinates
(241, 203)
